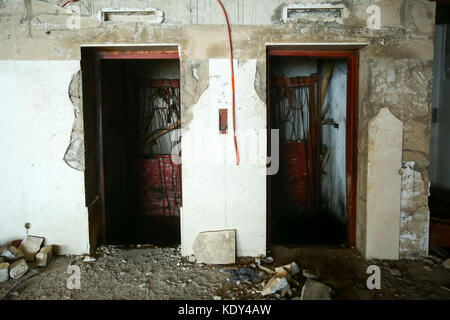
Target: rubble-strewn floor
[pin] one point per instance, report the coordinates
(161, 273)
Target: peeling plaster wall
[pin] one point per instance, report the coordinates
(395, 72)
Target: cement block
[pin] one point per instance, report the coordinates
(4, 272)
(216, 247)
(383, 186)
(18, 269)
(30, 246)
(314, 290)
(44, 256)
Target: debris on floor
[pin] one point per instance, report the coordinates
(138, 272)
(313, 290)
(242, 274)
(18, 257)
(30, 247)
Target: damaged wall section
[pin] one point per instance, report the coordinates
(414, 213)
(74, 156)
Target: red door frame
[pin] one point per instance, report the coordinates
(115, 53)
(351, 134)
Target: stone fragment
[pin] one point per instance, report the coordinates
(446, 264)
(12, 253)
(18, 269)
(4, 272)
(44, 256)
(275, 284)
(191, 259)
(314, 290)
(216, 247)
(30, 246)
(217, 298)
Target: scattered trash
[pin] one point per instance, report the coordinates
(242, 274)
(88, 259)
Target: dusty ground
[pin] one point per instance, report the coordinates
(161, 273)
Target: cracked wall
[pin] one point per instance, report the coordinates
(395, 66)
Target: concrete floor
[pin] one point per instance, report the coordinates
(161, 273)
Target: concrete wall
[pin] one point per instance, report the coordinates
(395, 72)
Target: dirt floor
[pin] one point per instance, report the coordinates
(161, 273)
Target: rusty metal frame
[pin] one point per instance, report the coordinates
(352, 57)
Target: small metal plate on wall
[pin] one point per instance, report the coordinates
(223, 120)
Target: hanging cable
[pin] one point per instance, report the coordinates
(232, 81)
(67, 2)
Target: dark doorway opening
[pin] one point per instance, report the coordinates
(137, 103)
(312, 102)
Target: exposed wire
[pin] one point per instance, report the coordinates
(67, 2)
(232, 80)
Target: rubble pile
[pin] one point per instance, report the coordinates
(17, 257)
(283, 282)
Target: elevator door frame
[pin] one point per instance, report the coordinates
(91, 58)
(351, 132)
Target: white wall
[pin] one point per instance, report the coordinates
(217, 194)
(36, 185)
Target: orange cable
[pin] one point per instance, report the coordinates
(232, 80)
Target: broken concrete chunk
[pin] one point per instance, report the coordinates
(4, 272)
(191, 259)
(30, 246)
(215, 247)
(313, 290)
(44, 256)
(274, 284)
(18, 269)
(446, 264)
(12, 253)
